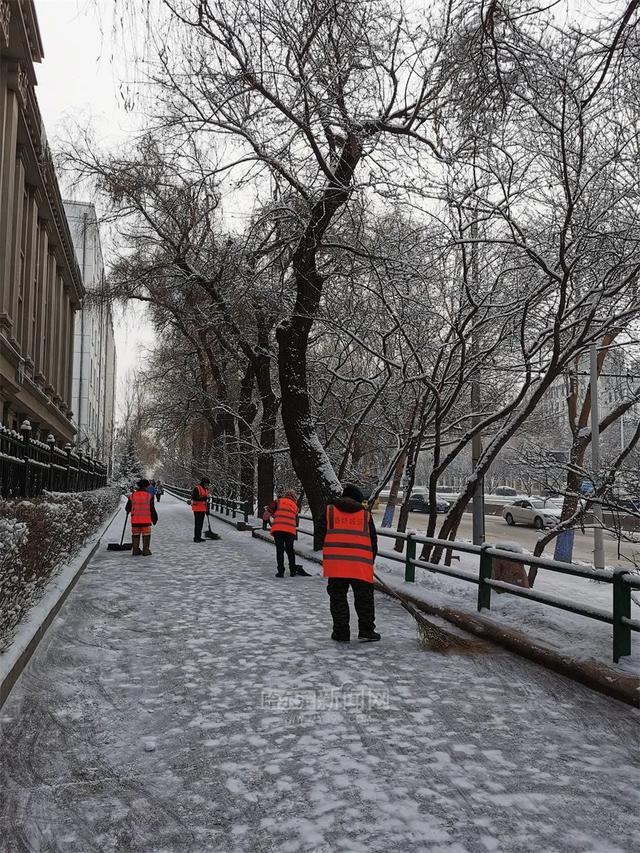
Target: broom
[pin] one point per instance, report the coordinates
(209, 534)
(115, 546)
(431, 636)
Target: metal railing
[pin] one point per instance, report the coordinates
(621, 580)
(29, 466)
(229, 507)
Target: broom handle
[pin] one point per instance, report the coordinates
(126, 518)
(408, 607)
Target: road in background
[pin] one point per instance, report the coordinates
(497, 530)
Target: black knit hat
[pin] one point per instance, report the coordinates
(353, 492)
(143, 484)
(205, 481)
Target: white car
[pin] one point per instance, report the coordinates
(532, 512)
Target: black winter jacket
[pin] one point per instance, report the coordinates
(349, 505)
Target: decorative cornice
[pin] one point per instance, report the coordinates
(5, 19)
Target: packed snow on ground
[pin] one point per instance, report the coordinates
(190, 701)
(567, 633)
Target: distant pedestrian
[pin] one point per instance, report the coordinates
(200, 507)
(151, 488)
(266, 515)
(159, 490)
(350, 545)
(284, 512)
(143, 515)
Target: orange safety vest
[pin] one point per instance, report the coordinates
(140, 509)
(347, 551)
(200, 505)
(285, 516)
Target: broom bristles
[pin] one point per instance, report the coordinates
(431, 636)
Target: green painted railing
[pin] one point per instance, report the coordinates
(621, 580)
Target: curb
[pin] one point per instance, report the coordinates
(596, 676)
(58, 597)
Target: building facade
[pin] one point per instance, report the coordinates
(94, 353)
(40, 283)
(620, 375)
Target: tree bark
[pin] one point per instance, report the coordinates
(309, 458)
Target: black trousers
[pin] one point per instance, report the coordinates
(198, 521)
(284, 542)
(339, 604)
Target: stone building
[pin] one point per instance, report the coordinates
(94, 353)
(40, 283)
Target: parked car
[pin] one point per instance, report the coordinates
(532, 512)
(419, 502)
(505, 491)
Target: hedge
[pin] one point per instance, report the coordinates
(37, 538)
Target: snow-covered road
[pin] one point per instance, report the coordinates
(190, 701)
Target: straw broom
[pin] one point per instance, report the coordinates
(431, 636)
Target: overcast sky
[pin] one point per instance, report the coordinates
(78, 81)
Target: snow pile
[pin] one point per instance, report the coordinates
(37, 537)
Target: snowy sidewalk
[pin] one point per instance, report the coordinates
(189, 701)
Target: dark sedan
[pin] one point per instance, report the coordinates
(419, 502)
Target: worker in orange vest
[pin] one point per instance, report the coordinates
(143, 515)
(284, 523)
(350, 545)
(200, 507)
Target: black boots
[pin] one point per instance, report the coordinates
(135, 540)
(300, 571)
(146, 541)
(369, 636)
(340, 638)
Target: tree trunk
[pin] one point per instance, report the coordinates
(308, 456)
(310, 460)
(392, 500)
(247, 411)
(410, 479)
(270, 406)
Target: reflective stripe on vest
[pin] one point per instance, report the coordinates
(200, 505)
(140, 509)
(285, 516)
(347, 551)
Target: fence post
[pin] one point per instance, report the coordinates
(233, 508)
(67, 482)
(484, 590)
(621, 609)
(410, 555)
(51, 442)
(25, 429)
(77, 489)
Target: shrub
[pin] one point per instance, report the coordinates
(37, 538)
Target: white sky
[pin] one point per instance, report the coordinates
(78, 82)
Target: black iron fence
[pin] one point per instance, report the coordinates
(28, 466)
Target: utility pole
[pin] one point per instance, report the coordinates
(476, 441)
(598, 541)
